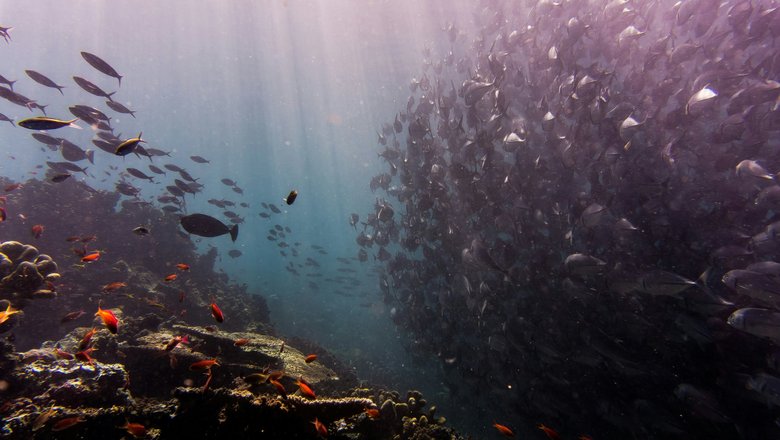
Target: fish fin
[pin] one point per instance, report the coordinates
(110, 95)
(120, 80)
(234, 232)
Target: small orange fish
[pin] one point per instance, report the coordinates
(134, 429)
(13, 186)
(183, 266)
(276, 374)
(170, 278)
(87, 338)
(176, 341)
(63, 424)
(109, 319)
(84, 356)
(551, 433)
(93, 256)
(504, 430)
(279, 387)
(3, 214)
(205, 364)
(8, 313)
(240, 342)
(62, 354)
(116, 285)
(216, 312)
(210, 328)
(372, 413)
(322, 431)
(208, 382)
(72, 316)
(181, 296)
(37, 231)
(310, 358)
(305, 389)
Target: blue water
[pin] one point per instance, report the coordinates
(277, 95)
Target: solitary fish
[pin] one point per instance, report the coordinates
(44, 123)
(291, 197)
(43, 80)
(102, 66)
(207, 226)
(199, 159)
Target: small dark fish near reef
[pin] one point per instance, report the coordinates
(207, 226)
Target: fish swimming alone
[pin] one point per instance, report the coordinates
(207, 226)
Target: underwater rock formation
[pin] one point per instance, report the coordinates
(24, 272)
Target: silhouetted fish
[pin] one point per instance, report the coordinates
(207, 226)
(101, 66)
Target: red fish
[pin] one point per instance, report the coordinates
(205, 364)
(181, 296)
(3, 214)
(8, 313)
(170, 278)
(176, 341)
(322, 431)
(73, 238)
(216, 312)
(183, 266)
(87, 338)
(240, 342)
(305, 389)
(63, 424)
(276, 374)
(551, 433)
(92, 256)
(62, 354)
(116, 285)
(37, 231)
(310, 358)
(279, 387)
(84, 356)
(504, 430)
(109, 319)
(584, 437)
(72, 316)
(89, 238)
(13, 186)
(372, 413)
(134, 429)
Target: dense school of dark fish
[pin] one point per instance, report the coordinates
(580, 216)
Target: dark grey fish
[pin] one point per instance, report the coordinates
(207, 226)
(156, 170)
(16, 98)
(47, 139)
(4, 80)
(119, 108)
(199, 159)
(172, 167)
(237, 190)
(158, 152)
(234, 253)
(6, 118)
(273, 208)
(57, 178)
(101, 66)
(79, 110)
(139, 174)
(108, 147)
(175, 190)
(186, 176)
(228, 182)
(92, 88)
(43, 80)
(63, 167)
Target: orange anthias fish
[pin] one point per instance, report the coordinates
(170, 278)
(37, 230)
(320, 428)
(240, 342)
(310, 358)
(109, 319)
(183, 266)
(134, 429)
(279, 387)
(205, 364)
(8, 313)
(372, 413)
(84, 356)
(63, 424)
(216, 312)
(92, 256)
(551, 433)
(62, 354)
(305, 389)
(176, 341)
(504, 430)
(116, 285)
(87, 338)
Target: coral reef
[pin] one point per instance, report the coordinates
(24, 273)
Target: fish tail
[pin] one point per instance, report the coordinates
(119, 77)
(234, 232)
(109, 95)
(60, 89)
